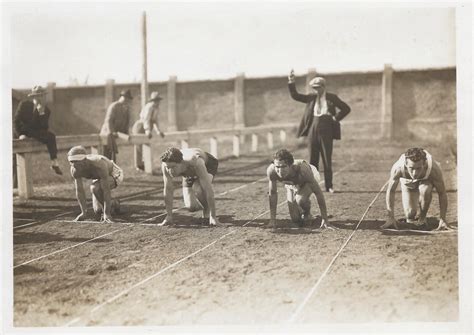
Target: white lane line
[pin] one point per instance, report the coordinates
(421, 232)
(74, 211)
(124, 292)
(314, 288)
(67, 248)
(118, 230)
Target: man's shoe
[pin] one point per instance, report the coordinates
(56, 169)
(330, 190)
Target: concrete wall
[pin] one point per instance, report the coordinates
(423, 103)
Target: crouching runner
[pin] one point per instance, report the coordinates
(105, 175)
(418, 173)
(301, 180)
(198, 169)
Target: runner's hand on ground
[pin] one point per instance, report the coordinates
(214, 221)
(326, 225)
(107, 219)
(442, 225)
(167, 221)
(389, 223)
(81, 217)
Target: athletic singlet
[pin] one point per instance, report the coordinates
(408, 179)
(301, 176)
(116, 172)
(192, 155)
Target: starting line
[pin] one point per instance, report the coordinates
(421, 232)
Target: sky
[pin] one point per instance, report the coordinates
(70, 43)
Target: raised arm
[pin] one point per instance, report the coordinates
(294, 93)
(393, 181)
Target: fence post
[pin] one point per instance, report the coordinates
(213, 146)
(309, 76)
(254, 143)
(172, 117)
(137, 158)
(387, 112)
(270, 140)
(147, 154)
(236, 146)
(109, 92)
(282, 136)
(25, 175)
(239, 100)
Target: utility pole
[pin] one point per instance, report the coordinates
(144, 86)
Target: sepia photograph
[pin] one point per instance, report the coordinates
(236, 166)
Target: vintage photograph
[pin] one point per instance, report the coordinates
(222, 166)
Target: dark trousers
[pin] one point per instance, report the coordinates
(321, 143)
(46, 137)
(110, 150)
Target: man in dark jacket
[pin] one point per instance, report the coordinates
(32, 120)
(320, 122)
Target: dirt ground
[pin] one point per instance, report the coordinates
(133, 273)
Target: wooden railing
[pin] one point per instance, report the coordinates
(24, 149)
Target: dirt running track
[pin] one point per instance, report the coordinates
(242, 272)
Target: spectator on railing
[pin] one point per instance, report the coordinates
(32, 120)
(198, 169)
(146, 124)
(320, 122)
(301, 181)
(105, 175)
(117, 119)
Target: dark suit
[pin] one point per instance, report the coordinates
(29, 122)
(321, 130)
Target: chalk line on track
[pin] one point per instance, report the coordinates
(318, 282)
(117, 296)
(128, 225)
(71, 212)
(126, 291)
(421, 232)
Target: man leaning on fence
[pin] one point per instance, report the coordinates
(147, 123)
(117, 120)
(32, 120)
